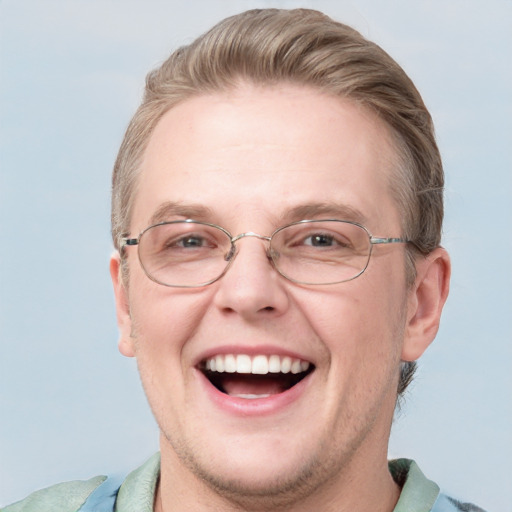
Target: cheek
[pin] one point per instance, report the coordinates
(163, 321)
(360, 324)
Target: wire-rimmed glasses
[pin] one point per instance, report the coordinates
(189, 253)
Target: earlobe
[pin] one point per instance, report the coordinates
(425, 303)
(124, 321)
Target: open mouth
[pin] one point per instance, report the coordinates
(252, 377)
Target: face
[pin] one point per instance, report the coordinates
(255, 159)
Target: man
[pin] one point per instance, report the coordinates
(276, 213)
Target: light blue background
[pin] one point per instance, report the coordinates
(71, 75)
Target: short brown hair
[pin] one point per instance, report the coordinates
(304, 47)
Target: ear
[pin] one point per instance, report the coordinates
(124, 320)
(425, 303)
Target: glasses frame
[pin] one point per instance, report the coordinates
(230, 257)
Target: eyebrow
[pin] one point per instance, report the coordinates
(171, 209)
(326, 210)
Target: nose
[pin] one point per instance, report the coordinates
(252, 287)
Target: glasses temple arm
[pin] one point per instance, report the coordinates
(129, 241)
(379, 240)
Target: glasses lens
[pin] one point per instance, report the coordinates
(184, 253)
(321, 252)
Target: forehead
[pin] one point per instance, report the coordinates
(266, 150)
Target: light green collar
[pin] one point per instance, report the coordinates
(418, 492)
(137, 493)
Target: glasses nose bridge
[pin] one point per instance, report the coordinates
(248, 234)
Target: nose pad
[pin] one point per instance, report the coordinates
(231, 253)
(273, 256)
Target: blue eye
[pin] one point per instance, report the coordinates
(191, 241)
(319, 240)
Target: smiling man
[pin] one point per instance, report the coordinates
(277, 209)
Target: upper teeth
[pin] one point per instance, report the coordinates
(260, 364)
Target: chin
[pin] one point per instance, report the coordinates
(260, 476)
(262, 486)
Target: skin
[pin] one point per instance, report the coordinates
(250, 156)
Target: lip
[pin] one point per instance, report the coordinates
(255, 406)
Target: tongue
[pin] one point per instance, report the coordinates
(255, 385)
